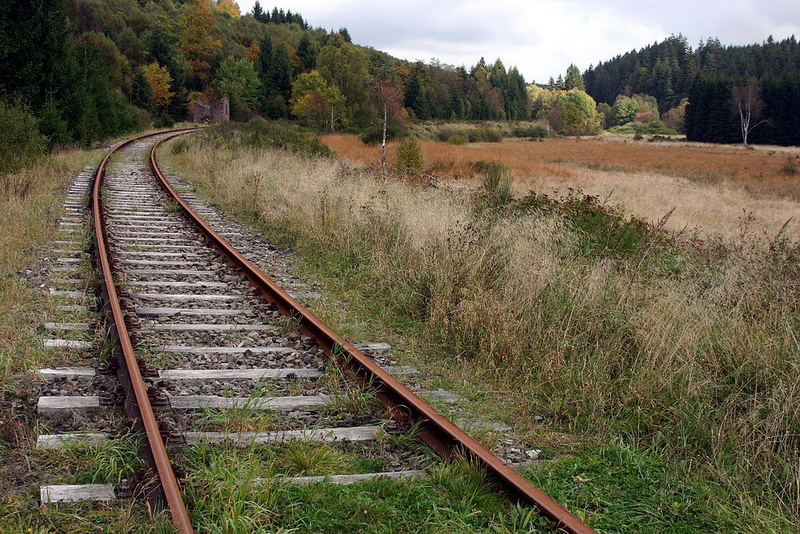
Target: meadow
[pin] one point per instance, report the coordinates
(580, 327)
(715, 189)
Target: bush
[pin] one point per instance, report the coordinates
(164, 121)
(537, 131)
(374, 134)
(790, 167)
(472, 135)
(20, 141)
(409, 155)
(458, 139)
(485, 135)
(262, 133)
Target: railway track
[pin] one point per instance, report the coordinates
(201, 332)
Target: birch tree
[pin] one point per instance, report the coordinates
(747, 103)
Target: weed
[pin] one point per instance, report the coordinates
(603, 324)
(346, 397)
(173, 207)
(496, 183)
(109, 462)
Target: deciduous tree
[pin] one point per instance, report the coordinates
(229, 7)
(315, 100)
(345, 66)
(574, 113)
(198, 39)
(238, 80)
(748, 106)
(158, 82)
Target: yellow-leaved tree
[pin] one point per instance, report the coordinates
(230, 7)
(159, 81)
(198, 38)
(315, 100)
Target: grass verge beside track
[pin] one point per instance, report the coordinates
(663, 375)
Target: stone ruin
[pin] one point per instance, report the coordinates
(219, 111)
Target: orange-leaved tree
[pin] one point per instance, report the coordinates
(198, 38)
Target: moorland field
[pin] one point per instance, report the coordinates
(715, 189)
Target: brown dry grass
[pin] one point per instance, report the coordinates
(694, 358)
(715, 189)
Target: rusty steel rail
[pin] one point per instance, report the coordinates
(402, 404)
(129, 365)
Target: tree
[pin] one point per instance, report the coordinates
(258, 13)
(158, 83)
(389, 102)
(574, 113)
(574, 80)
(415, 97)
(747, 104)
(238, 80)
(345, 66)
(627, 108)
(409, 155)
(280, 83)
(675, 118)
(345, 34)
(198, 39)
(306, 53)
(316, 101)
(229, 7)
(140, 91)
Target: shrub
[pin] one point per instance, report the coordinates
(537, 131)
(409, 155)
(458, 139)
(374, 134)
(164, 121)
(485, 135)
(20, 141)
(261, 133)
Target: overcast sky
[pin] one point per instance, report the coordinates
(541, 37)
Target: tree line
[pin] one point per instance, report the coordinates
(91, 69)
(706, 82)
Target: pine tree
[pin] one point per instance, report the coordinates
(574, 80)
(346, 34)
(416, 100)
(306, 53)
(258, 12)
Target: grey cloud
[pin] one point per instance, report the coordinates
(542, 37)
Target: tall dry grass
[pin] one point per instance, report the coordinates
(30, 205)
(697, 355)
(715, 189)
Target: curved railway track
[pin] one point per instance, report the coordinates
(181, 295)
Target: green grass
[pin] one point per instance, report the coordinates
(109, 462)
(619, 489)
(223, 496)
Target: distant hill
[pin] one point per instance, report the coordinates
(90, 69)
(666, 70)
(713, 78)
